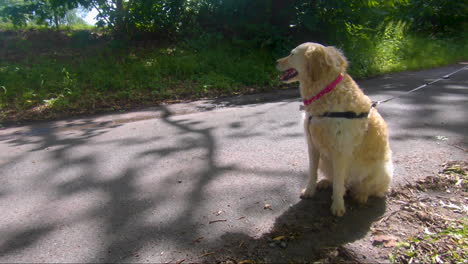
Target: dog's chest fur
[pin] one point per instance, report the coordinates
(336, 135)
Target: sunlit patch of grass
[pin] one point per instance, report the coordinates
(391, 48)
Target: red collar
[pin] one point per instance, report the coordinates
(327, 89)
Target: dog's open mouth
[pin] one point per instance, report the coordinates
(288, 74)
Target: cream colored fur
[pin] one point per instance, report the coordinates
(353, 154)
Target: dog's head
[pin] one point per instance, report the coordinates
(311, 62)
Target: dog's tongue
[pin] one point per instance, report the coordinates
(288, 74)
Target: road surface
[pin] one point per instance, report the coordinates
(205, 180)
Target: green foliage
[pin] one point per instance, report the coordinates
(436, 17)
(264, 22)
(392, 47)
(40, 12)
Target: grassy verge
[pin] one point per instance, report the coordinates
(108, 77)
(47, 74)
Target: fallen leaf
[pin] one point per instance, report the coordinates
(453, 206)
(207, 254)
(390, 243)
(423, 216)
(198, 240)
(387, 240)
(279, 238)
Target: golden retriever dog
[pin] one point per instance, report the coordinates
(347, 138)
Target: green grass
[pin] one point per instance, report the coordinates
(82, 74)
(395, 50)
(109, 79)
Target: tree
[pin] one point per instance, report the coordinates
(45, 12)
(260, 20)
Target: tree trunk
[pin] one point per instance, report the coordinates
(119, 20)
(56, 21)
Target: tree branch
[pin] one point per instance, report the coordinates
(100, 13)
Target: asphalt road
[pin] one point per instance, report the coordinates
(145, 186)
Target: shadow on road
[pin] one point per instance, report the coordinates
(38, 138)
(131, 220)
(435, 110)
(304, 233)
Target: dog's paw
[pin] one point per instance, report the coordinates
(361, 197)
(338, 208)
(323, 184)
(307, 193)
(381, 194)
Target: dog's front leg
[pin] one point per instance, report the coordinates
(340, 170)
(314, 157)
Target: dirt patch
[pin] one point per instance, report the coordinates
(418, 217)
(430, 218)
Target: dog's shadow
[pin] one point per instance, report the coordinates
(305, 229)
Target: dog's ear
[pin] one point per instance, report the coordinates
(323, 60)
(316, 62)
